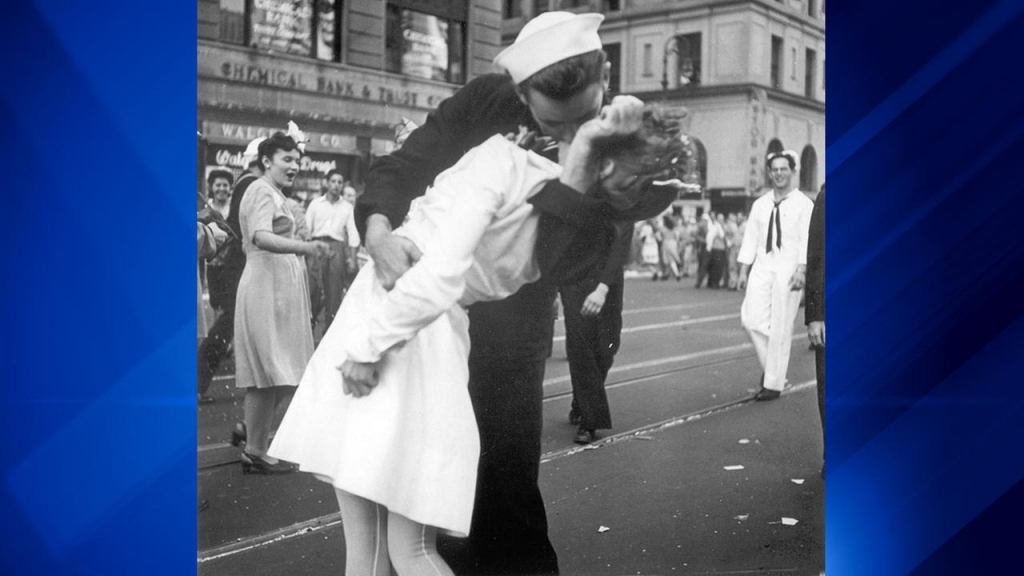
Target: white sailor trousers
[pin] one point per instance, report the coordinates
(768, 313)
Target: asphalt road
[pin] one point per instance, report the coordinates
(678, 394)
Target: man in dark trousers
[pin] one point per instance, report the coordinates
(814, 306)
(556, 80)
(593, 324)
(223, 283)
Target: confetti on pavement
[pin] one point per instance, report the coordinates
(603, 529)
(736, 467)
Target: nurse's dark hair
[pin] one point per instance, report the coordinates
(278, 141)
(658, 151)
(566, 78)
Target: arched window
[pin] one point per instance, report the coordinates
(774, 146)
(809, 169)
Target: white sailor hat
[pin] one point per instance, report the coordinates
(549, 38)
(794, 160)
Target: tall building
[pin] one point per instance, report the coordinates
(749, 72)
(346, 71)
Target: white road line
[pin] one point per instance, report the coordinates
(677, 323)
(334, 518)
(631, 330)
(677, 307)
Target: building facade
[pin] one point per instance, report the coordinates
(348, 72)
(749, 72)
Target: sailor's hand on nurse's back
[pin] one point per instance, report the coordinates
(623, 116)
(392, 255)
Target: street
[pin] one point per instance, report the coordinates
(658, 494)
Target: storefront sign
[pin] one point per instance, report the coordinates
(243, 134)
(221, 64)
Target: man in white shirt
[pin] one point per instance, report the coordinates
(774, 256)
(330, 219)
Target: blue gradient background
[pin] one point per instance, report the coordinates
(926, 268)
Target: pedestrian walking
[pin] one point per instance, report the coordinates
(774, 259)
(814, 310)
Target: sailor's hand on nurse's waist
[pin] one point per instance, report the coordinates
(392, 255)
(358, 378)
(623, 116)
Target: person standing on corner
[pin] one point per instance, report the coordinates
(773, 261)
(814, 308)
(593, 327)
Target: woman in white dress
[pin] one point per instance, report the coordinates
(383, 411)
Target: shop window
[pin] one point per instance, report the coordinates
(426, 45)
(284, 26)
(614, 55)
(688, 50)
(776, 62)
(809, 81)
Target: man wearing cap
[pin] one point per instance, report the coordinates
(556, 80)
(773, 259)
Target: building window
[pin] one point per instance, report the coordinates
(809, 81)
(611, 5)
(648, 54)
(614, 52)
(513, 8)
(227, 21)
(328, 30)
(809, 169)
(776, 62)
(810, 8)
(541, 6)
(792, 60)
(688, 50)
(426, 45)
(284, 26)
(565, 4)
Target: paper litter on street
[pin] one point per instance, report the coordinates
(744, 441)
(736, 467)
(603, 529)
(797, 480)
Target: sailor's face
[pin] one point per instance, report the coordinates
(560, 119)
(781, 173)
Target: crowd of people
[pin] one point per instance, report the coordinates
(422, 404)
(704, 247)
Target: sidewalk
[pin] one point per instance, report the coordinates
(665, 497)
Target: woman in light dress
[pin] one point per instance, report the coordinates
(383, 412)
(273, 337)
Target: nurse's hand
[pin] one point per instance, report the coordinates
(392, 255)
(359, 378)
(798, 280)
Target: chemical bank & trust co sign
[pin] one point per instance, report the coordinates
(299, 74)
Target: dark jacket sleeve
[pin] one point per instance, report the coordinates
(619, 254)
(814, 310)
(486, 106)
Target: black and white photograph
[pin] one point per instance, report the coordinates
(510, 287)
